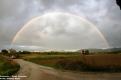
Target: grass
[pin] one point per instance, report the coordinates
(78, 62)
(47, 60)
(7, 67)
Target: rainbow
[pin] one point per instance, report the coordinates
(38, 17)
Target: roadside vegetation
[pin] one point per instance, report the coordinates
(8, 67)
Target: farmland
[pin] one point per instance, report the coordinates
(77, 62)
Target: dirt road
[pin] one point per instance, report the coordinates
(37, 72)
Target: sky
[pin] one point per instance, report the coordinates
(104, 14)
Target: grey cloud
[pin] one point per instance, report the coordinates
(13, 15)
(60, 3)
(105, 14)
(73, 33)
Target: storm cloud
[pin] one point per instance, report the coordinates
(105, 14)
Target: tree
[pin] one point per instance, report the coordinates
(12, 51)
(4, 51)
(85, 52)
(119, 3)
(23, 52)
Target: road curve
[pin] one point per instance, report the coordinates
(37, 72)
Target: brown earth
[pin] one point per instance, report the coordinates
(103, 60)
